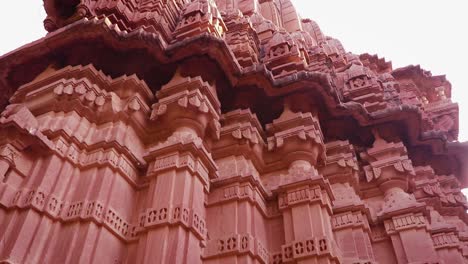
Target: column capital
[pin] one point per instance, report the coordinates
(389, 165)
(296, 136)
(188, 102)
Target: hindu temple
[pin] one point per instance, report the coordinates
(222, 131)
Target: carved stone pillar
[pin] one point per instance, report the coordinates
(238, 215)
(304, 196)
(179, 171)
(62, 192)
(350, 214)
(18, 131)
(351, 230)
(389, 167)
(448, 247)
(439, 191)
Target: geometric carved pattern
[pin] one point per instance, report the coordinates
(237, 244)
(408, 221)
(221, 131)
(97, 212)
(306, 248)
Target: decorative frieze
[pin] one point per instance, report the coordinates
(177, 161)
(445, 240)
(186, 99)
(298, 196)
(349, 219)
(399, 165)
(243, 192)
(237, 245)
(84, 159)
(174, 215)
(98, 212)
(306, 248)
(404, 222)
(71, 212)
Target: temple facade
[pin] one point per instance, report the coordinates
(222, 131)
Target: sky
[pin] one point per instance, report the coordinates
(431, 33)
(402, 31)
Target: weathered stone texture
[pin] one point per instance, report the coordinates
(227, 131)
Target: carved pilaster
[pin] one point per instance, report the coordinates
(390, 168)
(179, 171)
(238, 198)
(350, 219)
(303, 194)
(350, 225)
(442, 194)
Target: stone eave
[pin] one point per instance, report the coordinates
(422, 78)
(219, 51)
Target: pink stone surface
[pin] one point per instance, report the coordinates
(227, 131)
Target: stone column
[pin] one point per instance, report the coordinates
(351, 230)
(238, 218)
(304, 196)
(18, 132)
(350, 214)
(179, 171)
(389, 168)
(65, 194)
(445, 235)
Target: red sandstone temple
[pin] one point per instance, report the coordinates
(221, 131)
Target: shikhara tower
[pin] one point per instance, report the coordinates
(227, 131)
